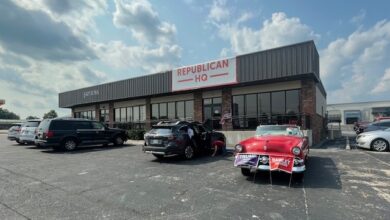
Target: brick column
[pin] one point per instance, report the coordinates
(111, 114)
(97, 112)
(227, 108)
(148, 122)
(308, 105)
(198, 106)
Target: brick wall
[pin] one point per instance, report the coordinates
(227, 108)
(308, 103)
(198, 106)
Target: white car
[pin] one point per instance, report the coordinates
(376, 140)
(27, 132)
(13, 132)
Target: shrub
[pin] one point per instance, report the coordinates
(136, 134)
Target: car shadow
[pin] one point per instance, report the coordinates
(84, 149)
(321, 173)
(203, 158)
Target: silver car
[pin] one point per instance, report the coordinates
(28, 132)
(14, 131)
(376, 140)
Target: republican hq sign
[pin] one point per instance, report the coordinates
(215, 73)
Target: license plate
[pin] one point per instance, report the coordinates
(154, 141)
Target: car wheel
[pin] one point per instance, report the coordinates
(69, 144)
(246, 172)
(379, 145)
(189, 152)
(118, 141)
(158, 156)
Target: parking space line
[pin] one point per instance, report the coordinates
(16, 211)
(306, 206)
(388, 164)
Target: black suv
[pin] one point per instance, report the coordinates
(171, 139)
(69, 133)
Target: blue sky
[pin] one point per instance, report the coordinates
(51, 46)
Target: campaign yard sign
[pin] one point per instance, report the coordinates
(282, 163)
(246, 160)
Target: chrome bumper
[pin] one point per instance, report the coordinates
(297, 169)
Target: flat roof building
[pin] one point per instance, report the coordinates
(275, 86)
(349, 113)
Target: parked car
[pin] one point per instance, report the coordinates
(274, 147)
(172, 139)
(13, 132)
(378, 125)
(70, 133)
(375, 140)
(28, 132)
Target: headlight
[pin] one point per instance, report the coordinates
(296, 151)
(238, 148)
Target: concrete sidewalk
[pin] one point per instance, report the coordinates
(3, 131)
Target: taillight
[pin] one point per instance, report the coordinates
(49, 134)
(17, 129)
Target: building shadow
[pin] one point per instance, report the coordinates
(199, 159)
(321, 173)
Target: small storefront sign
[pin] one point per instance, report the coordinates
(215, 73)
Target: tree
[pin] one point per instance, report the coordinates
(5, 114)
(50, 114)
(31, 117)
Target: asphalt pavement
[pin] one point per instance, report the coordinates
(124, 183)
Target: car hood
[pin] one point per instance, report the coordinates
(376, 132)
(271, 144)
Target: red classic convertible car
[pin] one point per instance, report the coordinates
(274, 147)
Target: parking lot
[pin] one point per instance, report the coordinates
(123, 183)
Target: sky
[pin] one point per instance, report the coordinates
(53, 46)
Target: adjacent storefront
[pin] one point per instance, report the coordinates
(277, 86)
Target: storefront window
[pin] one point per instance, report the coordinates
(163, 111)
(189, 110)
(180, 110)
(171, 110)
(212, 111)
(155, 112)
(129, 114)
(136, 113)
(264, 107)
(142, 113)
(123, 115)
(251, 110)
(117, 115)
(238, 111)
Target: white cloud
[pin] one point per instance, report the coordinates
(144, 23)
(218, 11)
(384, 84)
(278, 31)
(354, 66)
(357, 19)
(151, 60)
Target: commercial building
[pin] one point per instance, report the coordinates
(276, 86)
(348, 113)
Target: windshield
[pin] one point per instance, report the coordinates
(161, 131)
(278, 130)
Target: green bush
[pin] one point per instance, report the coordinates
(136, 134)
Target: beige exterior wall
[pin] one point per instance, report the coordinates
(267, 87)
(212, 94)
(173, 98)
(129, 103)
(84, 108)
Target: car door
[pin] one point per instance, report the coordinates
(85, 133)
(384, 125)
(101, 135)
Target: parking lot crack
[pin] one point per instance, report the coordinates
(14, 210)
(306, 206)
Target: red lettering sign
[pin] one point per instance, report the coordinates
(283, 163)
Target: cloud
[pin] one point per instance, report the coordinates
(357, 19)
(120, 55)
(383, 85)
(277, 31)
(34, 34)
(356, 66)
(218, 11)
(144, 23)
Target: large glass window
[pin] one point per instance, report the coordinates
(123, 115)
(180, 110)
(171, 110)
(129, 114)
(117, 115)
(189, 110)
(163, 111)
(142, 113)
(279, 107)
(212, 110)
(155, 111)
(136, 113)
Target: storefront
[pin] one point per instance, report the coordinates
(276, 86)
